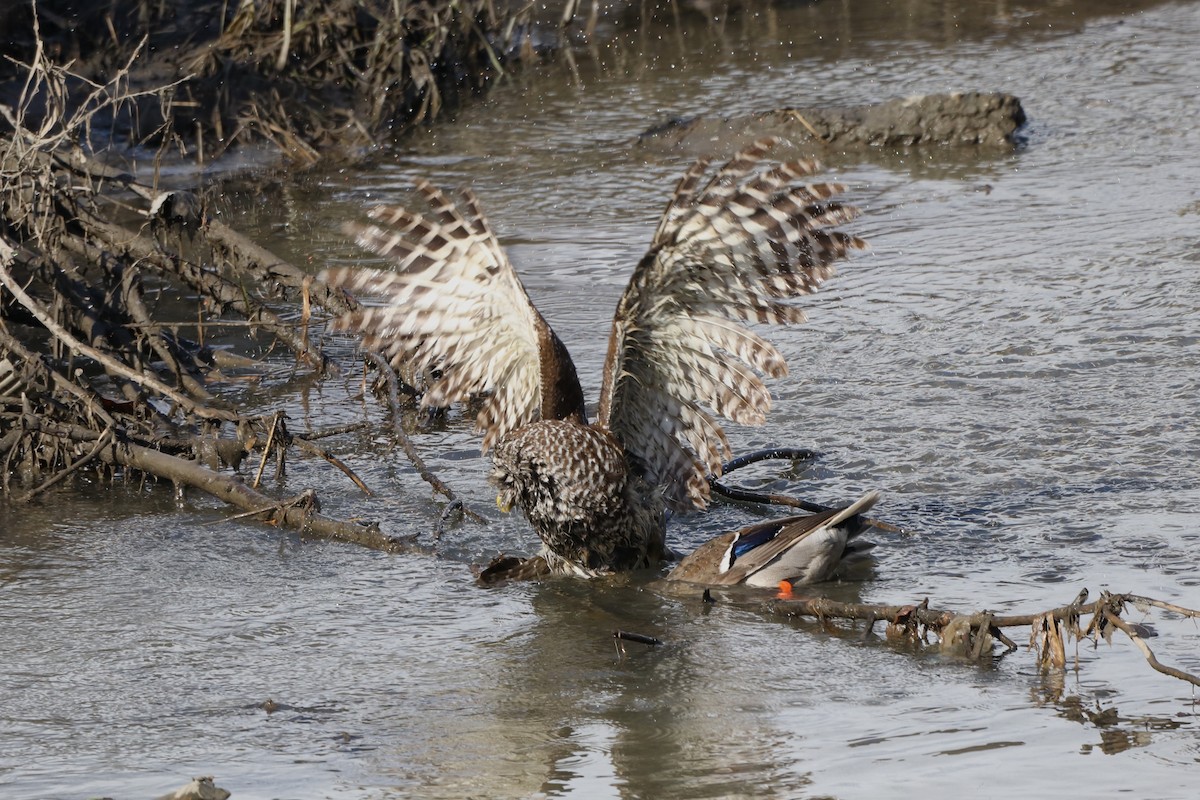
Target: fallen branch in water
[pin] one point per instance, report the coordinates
(301, 513)
(793, 454)
(1112, 609)
(973, 635)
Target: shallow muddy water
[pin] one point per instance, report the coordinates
(1015, 365)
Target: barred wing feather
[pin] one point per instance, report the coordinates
(453, 302)
(728, 252)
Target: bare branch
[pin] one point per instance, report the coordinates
(1049, 628)
(405, 443)
(145, 381)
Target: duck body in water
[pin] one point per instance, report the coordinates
(798, 550)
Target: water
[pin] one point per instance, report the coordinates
(1014, 365)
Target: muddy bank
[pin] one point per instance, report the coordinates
(975, 119)
(329, 76)
(333, 78)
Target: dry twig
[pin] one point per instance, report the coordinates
(406, 444)
(1050, 628)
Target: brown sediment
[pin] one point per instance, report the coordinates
(973, 119)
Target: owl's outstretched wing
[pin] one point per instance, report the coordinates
(725, 253)
(454, 305)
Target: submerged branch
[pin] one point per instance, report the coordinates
(406, 444)
(317, 450)
(82, 461)
(640, 638)
(770, 453)
(231, 489)
(968, 635)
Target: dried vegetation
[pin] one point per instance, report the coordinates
(313, 77)
(96, 368)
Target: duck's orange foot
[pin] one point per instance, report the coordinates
(785, 591)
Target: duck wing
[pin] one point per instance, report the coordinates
(759, 549)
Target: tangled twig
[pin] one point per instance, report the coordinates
(393, 395)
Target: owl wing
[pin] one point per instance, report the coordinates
(725, 253)
(453, 305)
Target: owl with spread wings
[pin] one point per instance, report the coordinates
(729, 251)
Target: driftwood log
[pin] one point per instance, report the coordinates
(974, 119)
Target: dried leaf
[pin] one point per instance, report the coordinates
(956, 636)
(1054, 643)
(1047, 637)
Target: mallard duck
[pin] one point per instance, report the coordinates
(799, 550)
(727, 251)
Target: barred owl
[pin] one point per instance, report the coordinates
(728, 251)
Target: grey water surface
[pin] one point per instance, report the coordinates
(1015, 365)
